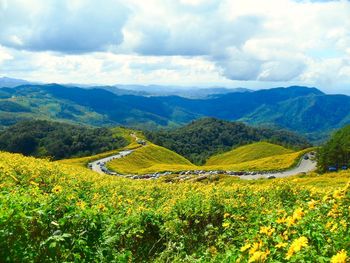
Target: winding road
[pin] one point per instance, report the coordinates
(305, 165)
(99, 165)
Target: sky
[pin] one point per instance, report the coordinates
(232, 43)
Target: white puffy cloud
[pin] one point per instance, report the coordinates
(66, 26)
(214, 41)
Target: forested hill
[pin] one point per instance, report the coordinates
(57, 140)
(205, 137)
(300, 109)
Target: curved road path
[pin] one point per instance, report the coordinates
(99, 165)
(305, 165)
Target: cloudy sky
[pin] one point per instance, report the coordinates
(247, 43)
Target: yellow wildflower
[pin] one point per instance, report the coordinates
(81, 204)
(259, 256)
(33, 183)
(344, 223)
(290, 221)
(226, 224)
(281, 220)
(312, 204)
(334, 212)
(267, 230)
(282, 244)
(296, 246)
(57, 189)
(226, 215)
(338, 194)
(102, 207)
(298, 214)
(334, 227)
(255, 247)
(245, 247)
(340, 257)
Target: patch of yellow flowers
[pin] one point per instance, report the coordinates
(281, 235)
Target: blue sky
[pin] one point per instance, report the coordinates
(233, 43)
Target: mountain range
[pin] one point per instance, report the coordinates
(300, 109)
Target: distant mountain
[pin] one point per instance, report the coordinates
(310, 115)
(300, 109)
(11, 82)
(205, 137)
(158, 90)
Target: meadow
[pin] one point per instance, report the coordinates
(253, 157)
(52, 212)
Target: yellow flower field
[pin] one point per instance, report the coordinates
(51, 212)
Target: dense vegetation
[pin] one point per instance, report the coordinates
(336, 152)
(57, 140)
(205, 137)
(60, 213)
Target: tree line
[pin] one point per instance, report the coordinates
(205, 137)
(57, 140)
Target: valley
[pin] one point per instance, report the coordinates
(305, 110)
(214, 179)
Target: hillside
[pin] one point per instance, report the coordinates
(305, 114)
(149, 158)
(300, 109)
(154, 159)
(247, 153)
(117, 132)
(58, 140)
(62, 213)
(203, 138)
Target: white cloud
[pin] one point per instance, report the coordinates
(66, 26)
(4, 55)
(184, 41)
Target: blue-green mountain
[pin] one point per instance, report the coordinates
(300, 109)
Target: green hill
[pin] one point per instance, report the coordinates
(58, 140)
(203, 138)
(150, 158)
(247, 153)
(301, 109)
(153, 158)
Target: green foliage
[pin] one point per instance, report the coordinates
(51, 212)
(336, 152)
(205, 137)
(57, 140)
(305, 110)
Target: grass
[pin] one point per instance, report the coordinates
(150, 158)
(51, 212)
(248, 153)
(153, 158)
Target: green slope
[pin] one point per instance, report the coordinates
(153, 158)
(247, 153)
(203, 138)
(150, 158)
